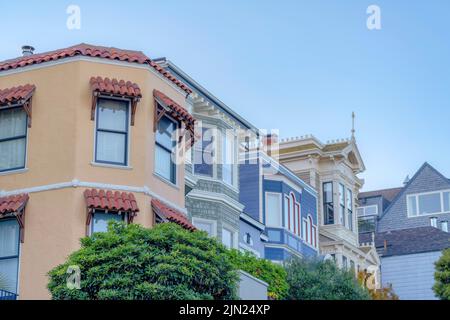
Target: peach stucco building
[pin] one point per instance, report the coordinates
(85, 134)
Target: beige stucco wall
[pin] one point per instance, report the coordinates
(60, 149)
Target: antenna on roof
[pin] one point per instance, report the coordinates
(406, 180)
(353, 125)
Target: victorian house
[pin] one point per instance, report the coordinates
(332, 169)
(86, 136)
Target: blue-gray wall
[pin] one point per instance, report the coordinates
(396, 217)
(412, 276)
(255, 233)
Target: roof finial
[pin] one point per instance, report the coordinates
(353, 125)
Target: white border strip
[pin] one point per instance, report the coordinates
(95, 185)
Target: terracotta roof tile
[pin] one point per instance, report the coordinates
(116, 87)
(91, 51)
(16, 94)
(110, 200)
(178, 111)
(172, 215)
(12, 204)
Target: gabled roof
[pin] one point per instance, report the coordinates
(388, 194)
(410, 241)
(88, 50)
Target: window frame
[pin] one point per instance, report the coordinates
(280, 206)
(213, 224)
(17, 257)
(342, 207)
(200, 149)
(364, 208)
(112, 213)
(349, 212)
(224, 154)
(417, 195)
(325, 204)
(126, 133)
(172, 153)
(233, 233)
(17, 138)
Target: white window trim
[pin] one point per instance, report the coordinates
(207, 221)
(234, 234)
(281, 209)
(408, 209)
(235, 160)
(214, 157)
(364, 207)
(128, 151)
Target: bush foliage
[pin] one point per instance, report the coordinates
(275, 275)
(130, 262)
(322, 280)
(442, 276)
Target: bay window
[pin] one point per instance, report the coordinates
(273, 210)
(428, 203)
(350, 209)
(204, 153)
(112, 128)
(228, 157)
(13, 138)
(341, 204)
(9, 254)
(165, 147)
(328, 206)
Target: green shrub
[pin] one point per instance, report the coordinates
(322, 280)
(442, 276)
(273, 274)
(130, 262)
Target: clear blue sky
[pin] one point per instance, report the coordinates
(300, 66)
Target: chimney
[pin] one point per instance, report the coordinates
(27, 51)
(433, 222)
(444, 226)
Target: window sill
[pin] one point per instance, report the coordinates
(169, 183)
(111, 166)
(17, 171)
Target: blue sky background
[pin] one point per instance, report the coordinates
(298, 66)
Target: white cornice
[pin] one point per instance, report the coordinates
(95, 185)
(216, 197)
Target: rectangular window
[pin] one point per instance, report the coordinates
(428, 203)
(112, 132)
(350, 209)
(165, 148)
(227, 238)
(206, 226)
(344, 262)
(367, 211)
(342, 204)
(328, 207)
(228, 157)
(100, 221)
(13, 138)
(204, 153)
(273, 210)
(9, 255)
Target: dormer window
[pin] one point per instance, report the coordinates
(428, 203)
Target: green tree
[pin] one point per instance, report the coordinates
(310, 279)
(130, 262)
(263, 269)
(442, 276)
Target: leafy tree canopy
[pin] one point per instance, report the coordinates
(273, 274)
(130, 262)
(442, 276)
(322, 280)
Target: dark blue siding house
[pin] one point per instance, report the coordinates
(284, 204)
(410, 224)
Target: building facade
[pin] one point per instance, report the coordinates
(332, 169)
(85, 137)
(285, 204)
(410, 224)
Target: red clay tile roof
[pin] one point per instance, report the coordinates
(178, 112)
(171, 215)
(12, 204)
(111, 200)
(15, 95)
(91, 51)
(115, 87)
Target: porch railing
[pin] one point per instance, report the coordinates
(6, 295)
